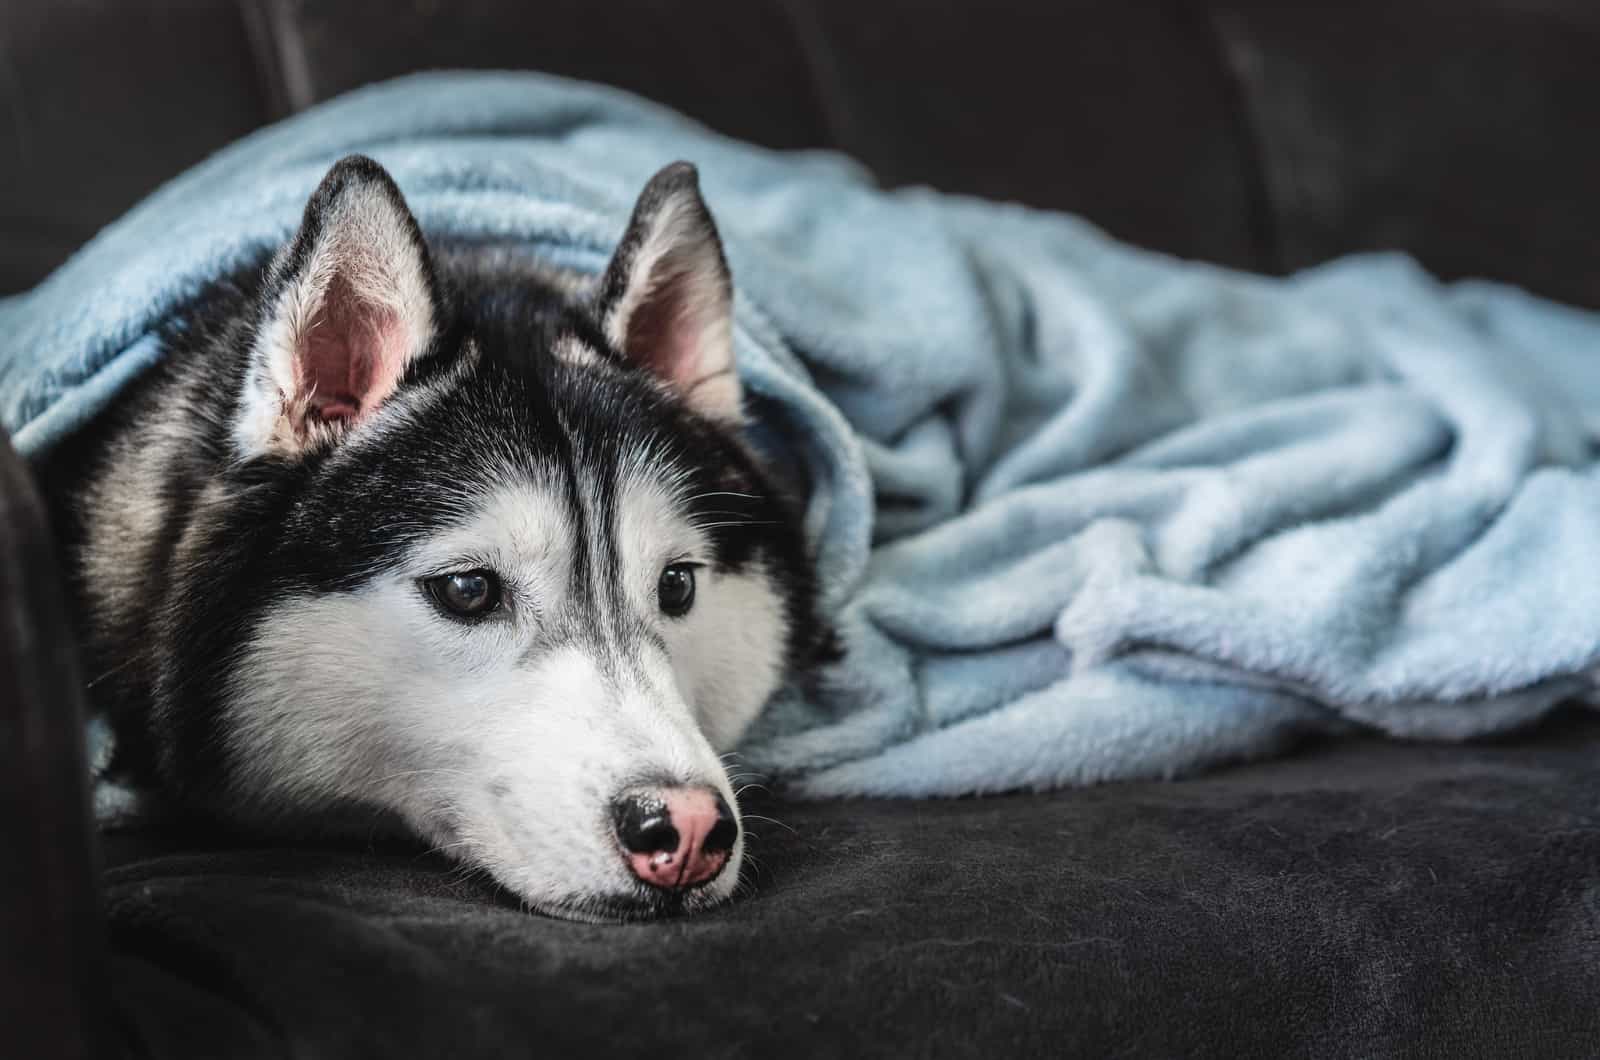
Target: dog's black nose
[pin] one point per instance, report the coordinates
(644, 824)
(675, 837)
(725, 831)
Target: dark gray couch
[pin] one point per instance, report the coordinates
(1356, 899)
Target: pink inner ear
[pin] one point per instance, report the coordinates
(352, 356)
(665, 331)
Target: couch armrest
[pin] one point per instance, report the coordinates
(50, 929)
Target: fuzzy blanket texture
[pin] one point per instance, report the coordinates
(1081, 511)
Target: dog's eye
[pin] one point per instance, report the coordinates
(675, 590)
(466, 594)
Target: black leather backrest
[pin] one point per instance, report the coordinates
(1250, 132)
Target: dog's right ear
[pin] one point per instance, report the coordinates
(666, 300)
(348, 306)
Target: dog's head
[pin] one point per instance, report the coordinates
(513, 574)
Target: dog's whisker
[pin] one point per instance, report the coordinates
(721, 493)
(117, 669)
(770, 820)
(445, 848)
(736, 522)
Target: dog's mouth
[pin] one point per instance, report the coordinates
(646, 904)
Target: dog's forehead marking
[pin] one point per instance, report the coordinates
(520, 526)
(620, 578)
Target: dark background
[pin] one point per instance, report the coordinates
(1253, 133)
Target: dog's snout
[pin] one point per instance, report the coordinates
(675, 838)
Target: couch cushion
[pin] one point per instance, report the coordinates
(1120, 112)
(1358, 899)
(1462, 133)
(1257, 134)
(101, 101)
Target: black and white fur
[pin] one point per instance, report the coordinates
(258, 527)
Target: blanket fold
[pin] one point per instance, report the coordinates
(1081, 511)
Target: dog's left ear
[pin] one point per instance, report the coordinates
(349, 305)
(666, 301)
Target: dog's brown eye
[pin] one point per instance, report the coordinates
(676, 589)
(466, 594)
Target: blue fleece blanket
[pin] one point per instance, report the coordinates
(1081, 511)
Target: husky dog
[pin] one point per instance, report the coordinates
(451, 538)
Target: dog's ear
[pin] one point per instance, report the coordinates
(666, 301)
(348, 306)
